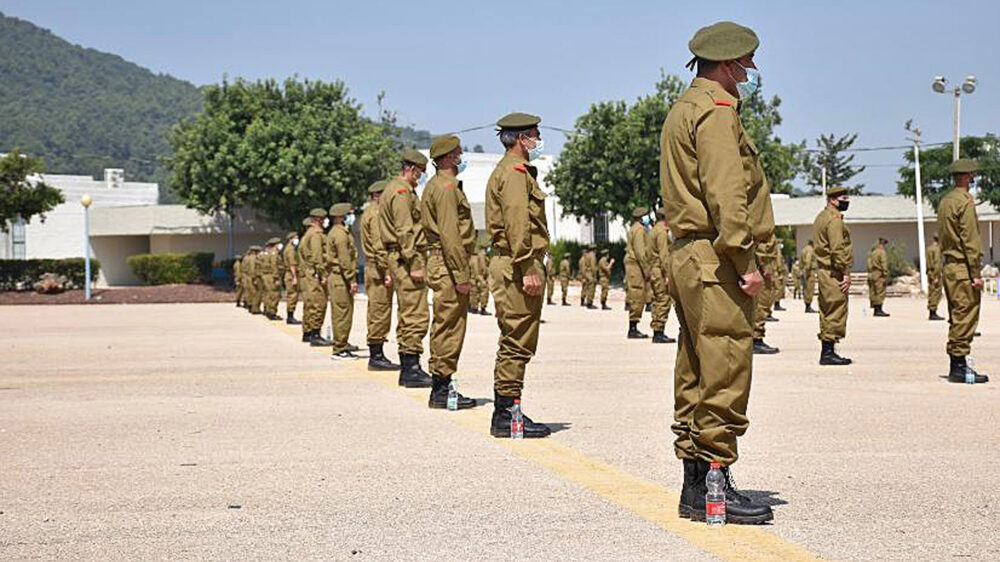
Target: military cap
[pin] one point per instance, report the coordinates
(963, 166)
(414, 157)
(317, 213)
(723, 41)
(376, 187)
(518, 121)
(605, 252)
(639, 212)
(836, 191)
(254, 248)
(291, 235)
(443, 145)
(340, 209)
(273, 241)
(307, 221)
(237, 256)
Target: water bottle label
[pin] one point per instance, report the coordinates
(715, 509)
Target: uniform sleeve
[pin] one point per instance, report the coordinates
(840, 246)
(640, 242)
(342, 249)
(451, 238)
(517, 223)
(722, 176)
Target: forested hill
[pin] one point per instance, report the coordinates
(82, 110)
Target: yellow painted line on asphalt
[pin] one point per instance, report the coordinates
(648, 500)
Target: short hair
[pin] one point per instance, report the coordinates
(882, 240)
(508, 137)
(809, 242)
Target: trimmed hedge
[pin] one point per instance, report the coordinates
(21, 275)
(164, 269)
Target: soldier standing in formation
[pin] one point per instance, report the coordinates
(637, 272)
(550, 278)
(247, 281)
(312, 278)
(834, 257)
(451, 240)
(403, 238)
(583, 272)
(517, 229)
(253, 275)
(780, 279)
(378, 283)
(604, 277)
(659, 259)
(718, 207)
(270, 279)
(767, 259)
(933, 280)
(290, 264)
(238, 279)
(592, 273)
(878, 274)
(809, 275)
(564, 275)
(484, 282)
(962, 253)
(341, 271)
(796, 279)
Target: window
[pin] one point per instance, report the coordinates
(600, 226)
(18, 239)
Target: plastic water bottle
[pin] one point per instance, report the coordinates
(970, 376)
(715, 499)
(452, 395)
(329, 333)
(516, 420)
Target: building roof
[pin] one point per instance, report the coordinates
(144, 220)
(794, 211)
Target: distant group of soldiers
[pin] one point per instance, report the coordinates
(590, 271)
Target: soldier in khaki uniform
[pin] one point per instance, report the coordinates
(238, 279)
(378, 283)
(767, 260)
(637, 272)
(253, 274)
(290, 265)
(446, 217)
(581, 273)
(550, 278)
(659, 259)
(809, 275)
(796, 280)
(878, 274)
(962, 252)
(312, 278)
(271, 279)
(474, 274)
(403, 238)
(933, 280)
(564, 275)
(718, 207)
(340, 260)
(592, 274)
(604, 277)
(834, 257)
(484, 282)
(780, 279)
(517, 229)
(246, 280)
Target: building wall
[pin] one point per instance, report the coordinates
(113, 252)
(217, 243)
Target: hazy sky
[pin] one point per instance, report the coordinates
(839, 67)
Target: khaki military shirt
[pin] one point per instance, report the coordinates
(447, 223)
(399, 223)
(515, 214)
(604, 268)
(958, 231)
(808, 259)
(659, 246)
(564, 268)
(581, 266)
(237, 264)
(265, 262)
(290, 257)
(341, 258)
(371, 241)
(312, 253)
(834, 251)
(934, 260)
(710, 175)
(635, 249)
(878, 263)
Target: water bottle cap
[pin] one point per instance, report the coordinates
(715, 465)
(517, 400)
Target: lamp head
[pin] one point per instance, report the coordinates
(938, 85)
(86, 200)
(970, 84)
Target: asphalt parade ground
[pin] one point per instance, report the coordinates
(197, 431)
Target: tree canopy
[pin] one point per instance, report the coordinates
(610, 162)
(19, 197)
(936, 179)
(279, 149)
(839, 167)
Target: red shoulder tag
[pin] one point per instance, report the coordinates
(401, 190)
(725, 103)
(449, 186)
(521, 168)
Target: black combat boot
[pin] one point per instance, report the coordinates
(934, 316)
(778, 307)
(960, 368)
(500, 423)
(761, 348)
(482, 312)
(692, 503)
(770, 318)
(604, 306)
(271, 316)
(410, 373)
(660, 337)
(549, 302)
(306, 336)
(634, 333)
(649, 307)
(740, 509)
(438, 399)
(879, 311)
(291, 320)
(829, 357)
(809, 309)
(377, 361)
(564, 303)
(316, 340)
(591, 306)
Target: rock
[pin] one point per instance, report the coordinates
(51, 284)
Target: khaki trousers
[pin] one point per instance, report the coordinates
(451, 309)
(564, 285)
(379, 316)
(484, 292)
(313, 303)
(256, 294)
(963, 308)
(810, 286)
(762, 308)
(933, 291)
(518, 316)
(876, 290)
(636, 295)
(341, 310)
(832, 308)
(605, 289)
(291, 294)
(272, 293)
(413, 313)
(714, 364)
(661, 301)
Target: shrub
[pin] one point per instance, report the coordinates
(163, 269)
(20, 275)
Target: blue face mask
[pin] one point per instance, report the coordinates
(536, 152)
(462, 166)
(747, 89)
(645, 221)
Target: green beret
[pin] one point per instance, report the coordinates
(836, 191)
(273, 241)
(443, 145)
(377, 187)
(605, 252)
(254, 248)
(963, 166)
(307, 221)
(518, 121)
(317, 213)
(340, 209)
(639, 212)
(291, 235)
(723, 41)
(237, 256)
(414, 157)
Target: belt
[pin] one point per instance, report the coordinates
(435, 251)
(696, 236)
(391, 247)
(948, 259)
(498, 251)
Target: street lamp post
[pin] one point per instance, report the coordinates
(918, 189)
(86, 201)
(939, 85)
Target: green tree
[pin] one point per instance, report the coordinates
(21, 197)
(829, 155)
(279, 149)
(936, 179)
(611, 161)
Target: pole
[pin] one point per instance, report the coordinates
(229, 213)
(823, 172)
(86, 252)
(920, 216)
(958, 121)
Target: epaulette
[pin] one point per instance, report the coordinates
(521, 168)
(449, 186)
(401, 190)
(725, 103)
